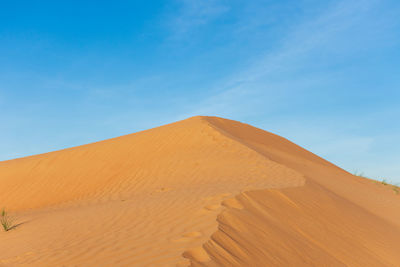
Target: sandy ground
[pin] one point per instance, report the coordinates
(204, 191)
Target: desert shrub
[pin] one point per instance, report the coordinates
(396, 189)
(5, 220)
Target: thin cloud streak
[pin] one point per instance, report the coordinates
(295, 72)
(299, 46)
(193, 14)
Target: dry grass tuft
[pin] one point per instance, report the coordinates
(5, 220)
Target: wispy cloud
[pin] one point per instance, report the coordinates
(306, 79)
(343, 30)
(193, 14)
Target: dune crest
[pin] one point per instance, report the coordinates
(152, 199)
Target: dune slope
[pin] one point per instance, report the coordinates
(152, 199)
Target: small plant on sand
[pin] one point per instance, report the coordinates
(359, 174)
(396, 189)
(5, 220)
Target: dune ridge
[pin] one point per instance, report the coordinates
(151, 199)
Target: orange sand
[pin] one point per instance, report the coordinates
(152, 199)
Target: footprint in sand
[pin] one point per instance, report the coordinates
(187, 237)
(198, 254)
(212, 207)
(161, 190)
(232, 203)
(183, 263)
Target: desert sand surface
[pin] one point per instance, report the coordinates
(204, 191)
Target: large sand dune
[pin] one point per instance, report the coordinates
(204, 191)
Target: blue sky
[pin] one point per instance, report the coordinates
(324, 74)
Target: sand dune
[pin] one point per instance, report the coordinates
(204, 191)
